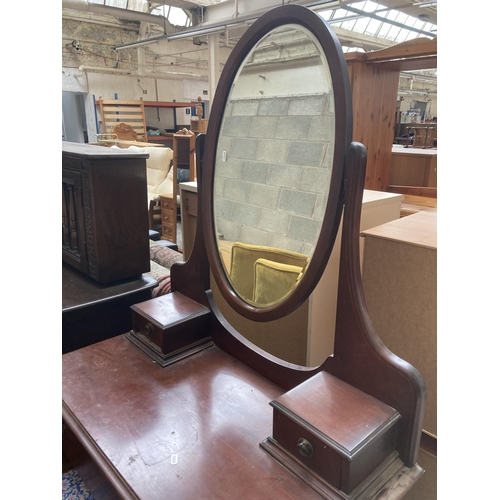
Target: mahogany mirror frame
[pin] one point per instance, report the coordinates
(337, 69)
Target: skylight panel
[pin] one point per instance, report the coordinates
(402, 35)
(178, 17)
(326, 14)
(352, 49)
(384, 29)
(341, 13)
(412, 35)
(348, 25)
(402, 18)
(419, 24)
(392, 14)
(373, 27)
(393, 32)
(429, 27)
(361, 25)
(370, 6)
(121, 4)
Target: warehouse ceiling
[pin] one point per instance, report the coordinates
(360, 25)
(175, 33)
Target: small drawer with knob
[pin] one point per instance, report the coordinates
(167, 232)
(167, 202)
(169, 327)
(327, 429)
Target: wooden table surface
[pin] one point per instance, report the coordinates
(419, 229)
(188, 431)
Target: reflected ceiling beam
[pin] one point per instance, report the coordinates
(352, 39)
(126, 14)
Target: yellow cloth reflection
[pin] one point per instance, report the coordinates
(263, 275)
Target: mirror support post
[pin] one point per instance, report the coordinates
(213, 66)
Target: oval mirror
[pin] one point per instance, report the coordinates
(276, 143)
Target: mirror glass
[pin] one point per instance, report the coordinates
(273, 165)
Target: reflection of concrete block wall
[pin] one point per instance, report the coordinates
(272, 187)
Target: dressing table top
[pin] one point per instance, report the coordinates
(192, 430)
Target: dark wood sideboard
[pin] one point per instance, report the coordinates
(104, 211)
(105, 246)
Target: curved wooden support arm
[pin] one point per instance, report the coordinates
(360, 357)
(192, 278)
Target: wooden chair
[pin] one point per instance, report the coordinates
(125, 132)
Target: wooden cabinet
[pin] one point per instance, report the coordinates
(168, 218)
(104, 226)
(413, 168)
(374, 78)
(199, 126)
(400, 285)
(184, 155)
(189, 211)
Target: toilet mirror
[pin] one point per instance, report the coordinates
(272, 187)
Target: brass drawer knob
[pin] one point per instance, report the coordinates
(149, 329)
(305, 448)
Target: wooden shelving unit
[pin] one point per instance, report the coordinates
(153, 104)
(168, 105)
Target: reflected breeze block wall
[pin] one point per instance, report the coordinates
(271, 189)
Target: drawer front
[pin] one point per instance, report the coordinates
(167, 217)
(149, 330)
(168, 232)
(167, 203)
(312, 452)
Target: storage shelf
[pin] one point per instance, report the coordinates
(163, 137)
(168, 104)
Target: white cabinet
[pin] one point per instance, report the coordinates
(377, 208)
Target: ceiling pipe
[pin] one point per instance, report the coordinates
(174, 75)
(83, 68)
(210, 29)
